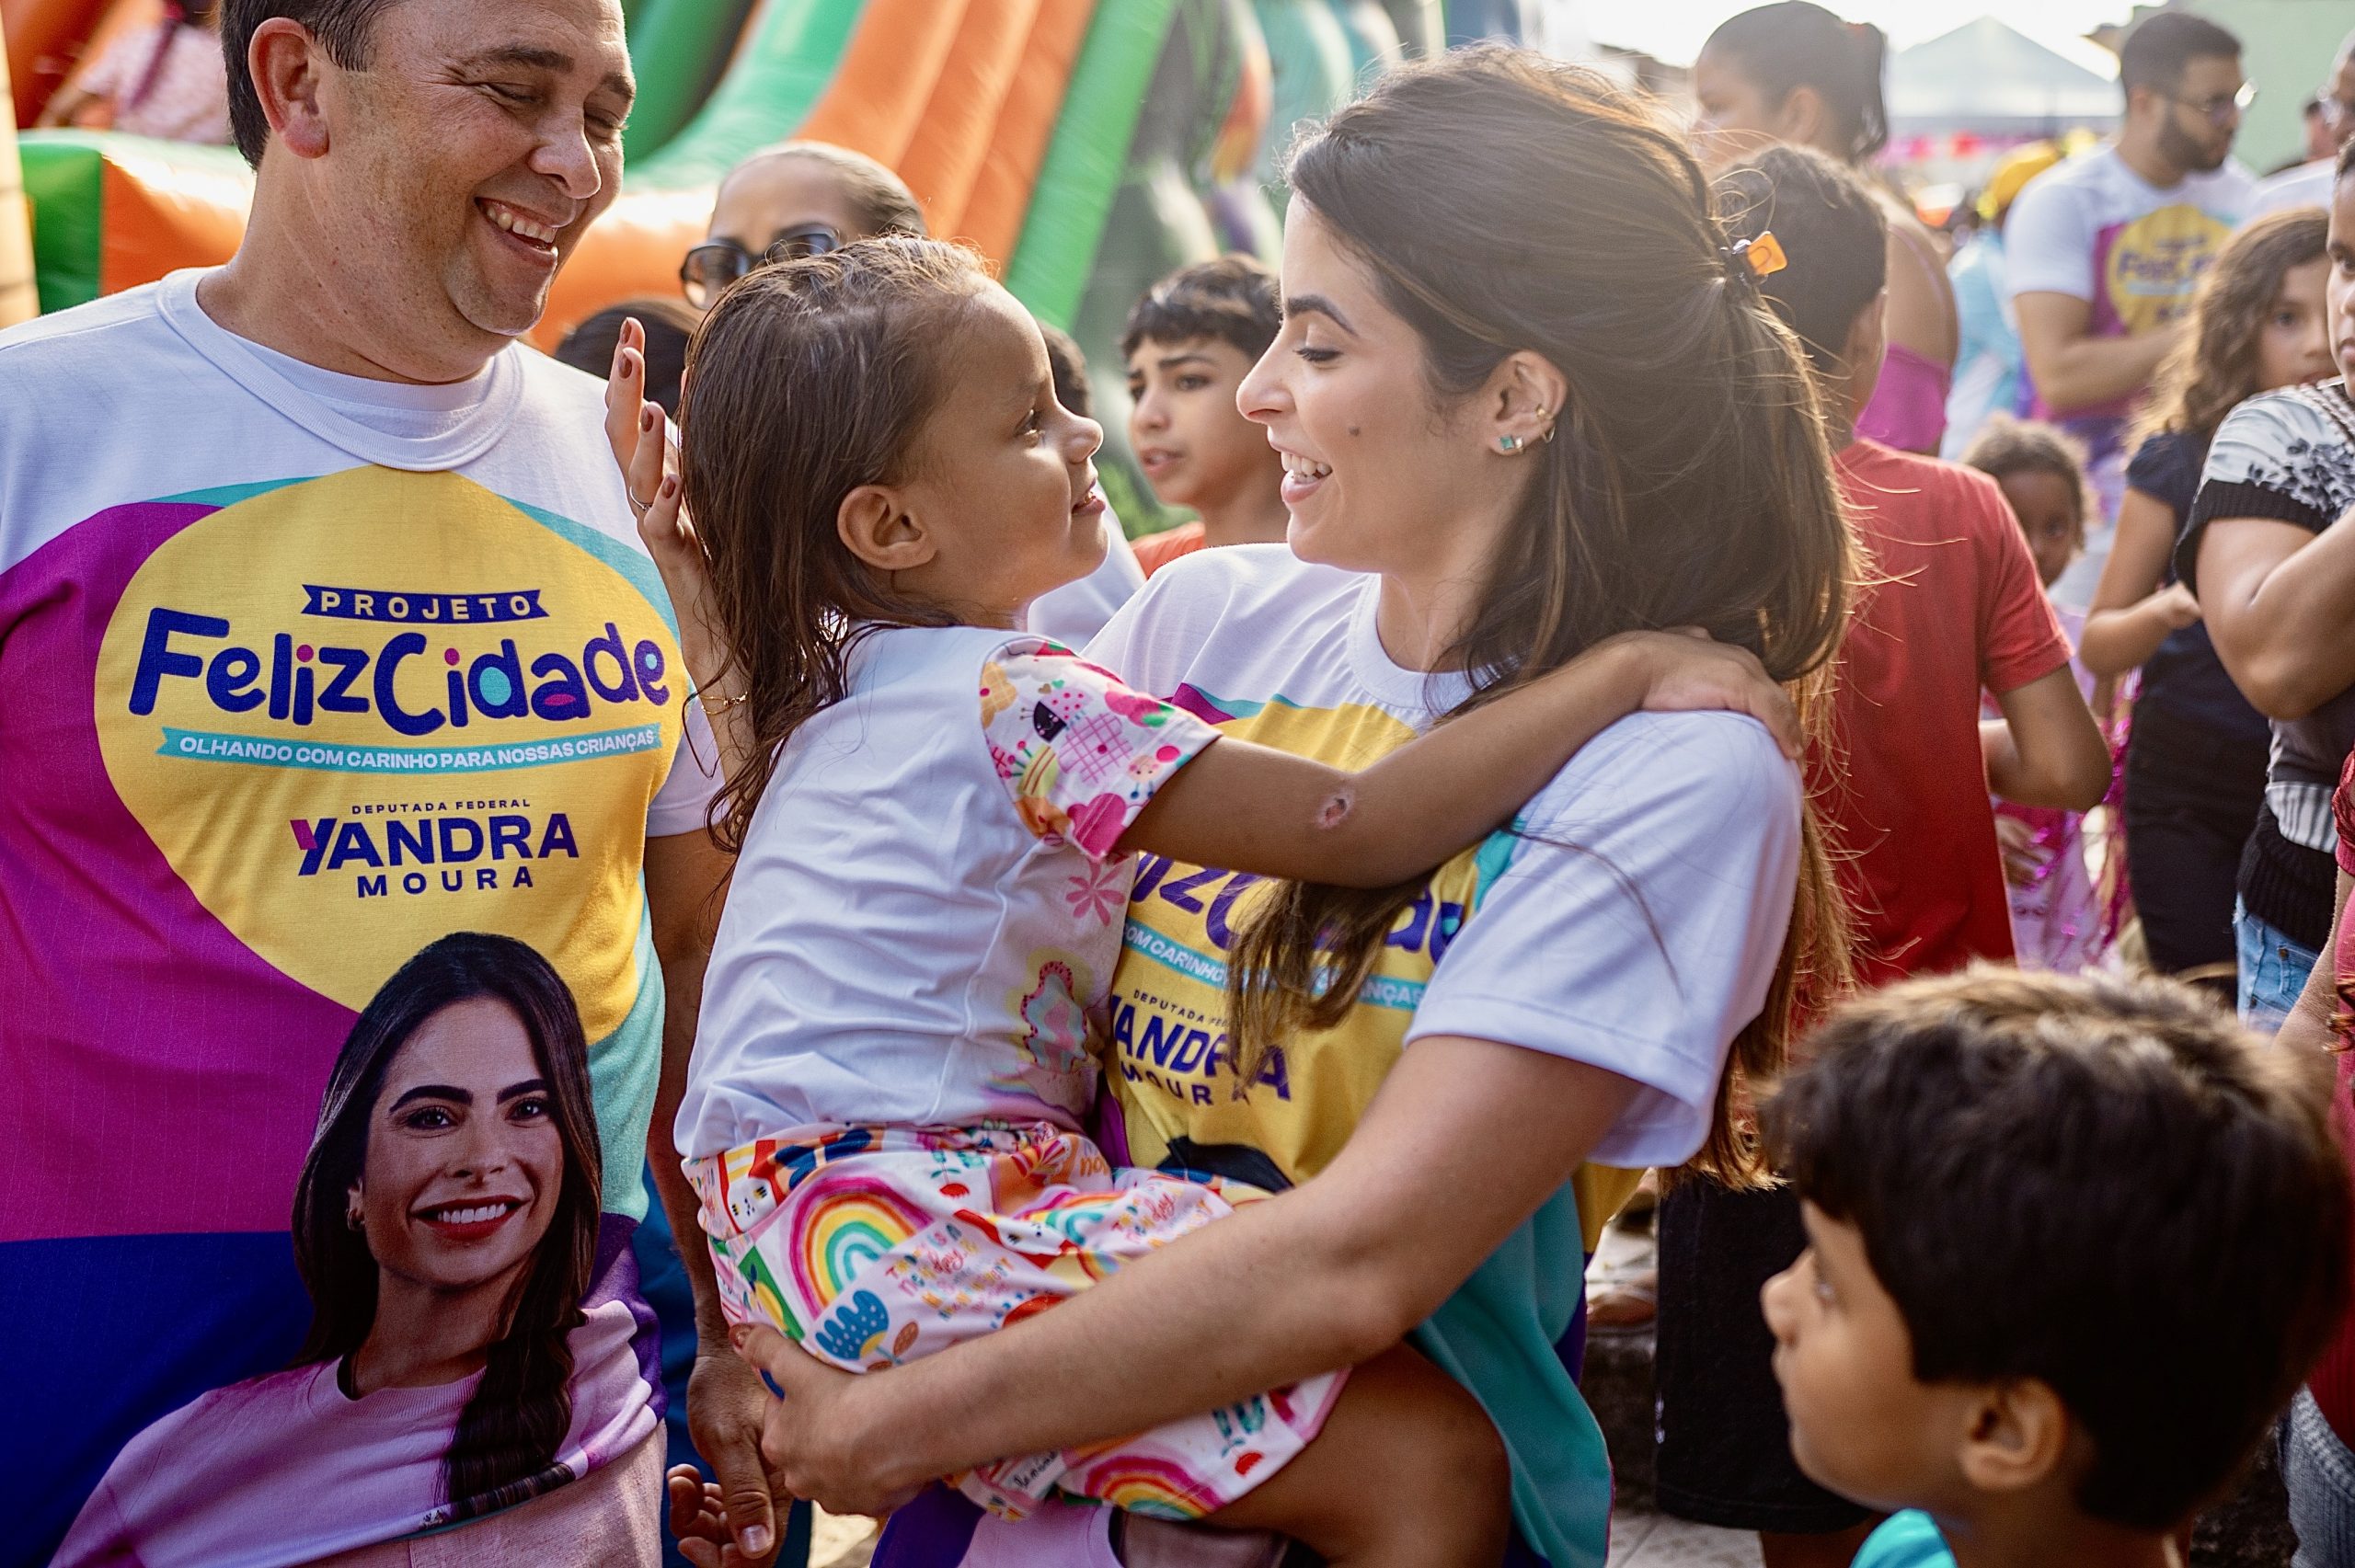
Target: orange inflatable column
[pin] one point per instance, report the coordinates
(878, 98)
(946, 157)
(42, 37)
(1026, 122)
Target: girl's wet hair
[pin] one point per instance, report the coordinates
(2215, 368)
(511, 1429)
(1689, 482)
(806, 381)
(1796, 43)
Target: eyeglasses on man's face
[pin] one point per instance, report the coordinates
(2223, 109)
(713, 265)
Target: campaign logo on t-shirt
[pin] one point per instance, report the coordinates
(2148, 267)
(1170, 1062)
(381, 728)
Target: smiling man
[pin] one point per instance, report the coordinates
(326, 632)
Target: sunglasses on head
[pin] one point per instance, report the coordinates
(713, 265)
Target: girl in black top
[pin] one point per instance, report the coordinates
(2195, 762)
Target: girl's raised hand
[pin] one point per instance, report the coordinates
(1687, 670)
(638, 434)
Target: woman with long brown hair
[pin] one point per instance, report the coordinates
(1528, 398)
(2196, 757)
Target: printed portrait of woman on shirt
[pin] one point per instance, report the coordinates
(447, 1226)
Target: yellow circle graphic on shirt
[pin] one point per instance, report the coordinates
(361, 711)
(2153, 262)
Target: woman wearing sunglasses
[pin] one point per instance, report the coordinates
(794, 199)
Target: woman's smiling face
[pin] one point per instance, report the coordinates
(1373, 468)
(464, 1163)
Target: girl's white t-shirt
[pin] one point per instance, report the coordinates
(928, 902)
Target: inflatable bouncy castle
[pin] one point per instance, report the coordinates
(1086, 147)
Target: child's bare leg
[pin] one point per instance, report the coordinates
(1406, 1472)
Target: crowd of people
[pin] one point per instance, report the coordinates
(724, 886)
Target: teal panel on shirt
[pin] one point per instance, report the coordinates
(1909, 1540)
(1496, 1335)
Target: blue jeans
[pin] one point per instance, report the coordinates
(2273, 971)
(2320, 1474)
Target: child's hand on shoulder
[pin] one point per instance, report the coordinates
(1687, 670)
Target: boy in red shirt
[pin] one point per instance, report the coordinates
(1951, 605)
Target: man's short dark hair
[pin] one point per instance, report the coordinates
(2102, 1183)
(1232, 300)
(2158, 49)
(342, 26)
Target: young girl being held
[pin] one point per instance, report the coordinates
(932, 814)
(2057, 917)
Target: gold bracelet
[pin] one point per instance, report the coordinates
(713, 707)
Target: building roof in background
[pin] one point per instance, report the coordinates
(1992, 79)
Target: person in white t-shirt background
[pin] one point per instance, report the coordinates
(325, 633)
(2309, 184)
(2102, 251)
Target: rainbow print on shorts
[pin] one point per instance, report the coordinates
(873, 1246)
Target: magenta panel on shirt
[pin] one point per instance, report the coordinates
(132, 1012)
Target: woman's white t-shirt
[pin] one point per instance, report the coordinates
(1632, 918)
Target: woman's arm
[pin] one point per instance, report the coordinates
(2132, 614)
(2277, 599)
(1246, 808)
(1921, 316)
(1462, 1142)
(2046, 749)
(2308, 1027)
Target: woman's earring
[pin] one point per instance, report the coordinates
(1508, 444)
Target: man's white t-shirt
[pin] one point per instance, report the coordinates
(299, 674)
(2092, 229)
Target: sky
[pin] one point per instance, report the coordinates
(1673, 30)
